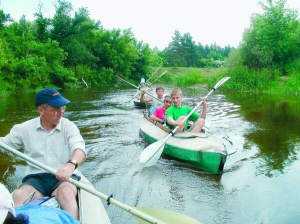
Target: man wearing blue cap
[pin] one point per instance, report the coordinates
(52, 140)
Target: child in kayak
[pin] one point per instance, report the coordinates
(176, 113)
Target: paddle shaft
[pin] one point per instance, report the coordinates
(135, 95)
(159, 76)
(153, 74)
(82, 186)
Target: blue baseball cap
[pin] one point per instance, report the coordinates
(50, 96)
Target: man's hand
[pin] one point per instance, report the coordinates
(65, 172)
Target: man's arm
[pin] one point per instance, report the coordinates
(79, 156)
(65, 172)
(142, 97)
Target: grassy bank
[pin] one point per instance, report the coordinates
(242, 80)
(181, 76)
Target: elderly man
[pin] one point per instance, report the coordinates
(55, 141)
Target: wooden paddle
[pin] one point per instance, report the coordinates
(143, 215)
(151, 154)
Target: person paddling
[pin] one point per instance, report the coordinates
(177, 113)
(54, 141)
(157, 102)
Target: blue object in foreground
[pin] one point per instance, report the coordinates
(46, 215)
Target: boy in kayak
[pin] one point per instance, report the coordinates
(176, 113)
(54, 141)
(160, 112)
(157, 102)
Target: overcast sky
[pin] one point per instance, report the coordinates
(154, 22)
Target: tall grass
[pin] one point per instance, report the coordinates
(288, 86)
(186, 77)
(242, 79)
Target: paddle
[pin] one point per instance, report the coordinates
(151, 154)
(159, 76)
(143, 215)
(135, 95)
(153, 74)
(138, 88)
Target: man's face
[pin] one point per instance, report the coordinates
(51, 115)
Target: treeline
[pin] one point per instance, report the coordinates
(67, 51)
(184, 52)
(72, 50)
(268, 58)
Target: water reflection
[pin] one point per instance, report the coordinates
(276, 131)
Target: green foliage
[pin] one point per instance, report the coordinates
(62, 77)
(287, 86)
(40, 27)
(293, 68)
(65, 50)
(5, 89)
(268, 59)
(183, 77)
(246, 80)
(293, 84)
(3, 59)
(273, 40)
(183, 52)
(3, 19)
(33, 70)
(188, 79)
(68, 50)
(155, 59)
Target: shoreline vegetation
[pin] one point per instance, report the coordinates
(72, 51)
(241, 80)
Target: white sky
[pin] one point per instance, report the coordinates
(154, 22)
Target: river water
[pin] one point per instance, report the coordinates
(261, 175)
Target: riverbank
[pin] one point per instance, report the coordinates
(242, 80)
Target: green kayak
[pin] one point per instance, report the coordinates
(199, 149)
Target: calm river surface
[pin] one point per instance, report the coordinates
(261, 177)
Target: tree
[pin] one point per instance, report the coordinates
(175, 55)
(272, 41)
(189, 50)
(41, 25)
(78, 45)
(62, 23)
(4, 18)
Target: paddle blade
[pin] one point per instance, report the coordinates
(165, 216)
(151, 154)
